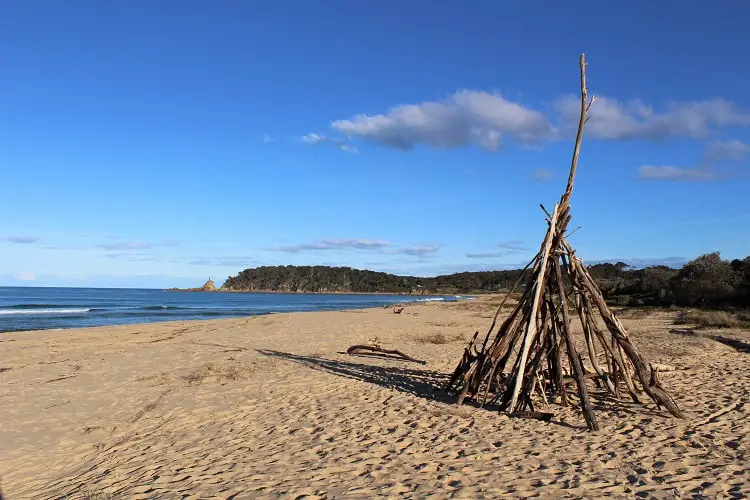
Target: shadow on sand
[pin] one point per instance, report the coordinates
(426, 384)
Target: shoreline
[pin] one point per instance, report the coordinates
(50, 311)
(224, 318)
(283, 292)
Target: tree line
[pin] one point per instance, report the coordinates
(707, 281)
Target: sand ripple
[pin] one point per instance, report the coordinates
(269, 407)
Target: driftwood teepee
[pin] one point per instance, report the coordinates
(523, 357)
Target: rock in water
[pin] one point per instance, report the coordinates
(209, 286)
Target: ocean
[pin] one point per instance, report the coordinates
(29, 308)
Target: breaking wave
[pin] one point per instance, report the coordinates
(43, 311)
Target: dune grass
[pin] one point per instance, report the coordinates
(713, 319)
(438, 338)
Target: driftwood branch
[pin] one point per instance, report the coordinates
(360, 349)
(536, 415)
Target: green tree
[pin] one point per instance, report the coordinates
(707, 281)
(654, 284)
(742, 289)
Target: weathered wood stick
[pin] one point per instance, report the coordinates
(588, 413)
(683, 331)
(651, 387)
(532, 370)
(589, 336)
(503, 350)
(736, 344)
(579, 272)
(538, 289)
(558, 365)
(536, 415)
(585, 105)
(475, 373)
(357, 349)
(505, 299)
(465, 363)
(542, 389)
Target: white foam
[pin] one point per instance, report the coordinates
(43, 311)
(431, 299)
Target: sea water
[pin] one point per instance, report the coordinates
(29, 308)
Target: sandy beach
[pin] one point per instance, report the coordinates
(271, 406)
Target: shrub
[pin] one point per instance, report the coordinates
(437, 339)
(708, 319)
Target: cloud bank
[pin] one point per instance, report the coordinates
(507, 248)
(20, 240)
(467, 117)
(471, 117)
(716, 153)
(136, 245)
(615, 120)
(335, 244)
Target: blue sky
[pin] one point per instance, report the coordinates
(158, 143)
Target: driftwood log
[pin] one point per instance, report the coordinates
(532, 353)
(535, 415)
(373, 349)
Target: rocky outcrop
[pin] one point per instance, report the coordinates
(208, 286)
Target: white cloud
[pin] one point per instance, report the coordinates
(21, 240)
(313, 138)
(267, 139)
(335, 244)
(616, 120)
(732, 150)
(223, 262)
(136, 245)
(25, 276)
(669, 173)
(466, 117)
(508, 248)
(133, 257)
(420, 251)
(486, 255)
(470, 117)
(716, 152)
(513, 245)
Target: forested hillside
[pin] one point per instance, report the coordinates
(708, 281)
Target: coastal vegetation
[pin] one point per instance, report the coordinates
(707, 282)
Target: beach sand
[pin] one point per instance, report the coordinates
(270, 406)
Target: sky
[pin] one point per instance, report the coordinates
(153, 144)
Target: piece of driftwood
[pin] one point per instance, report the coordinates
(684, 331)
(736, 344)
(526, 359)
(359, 349)
(535, 415)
